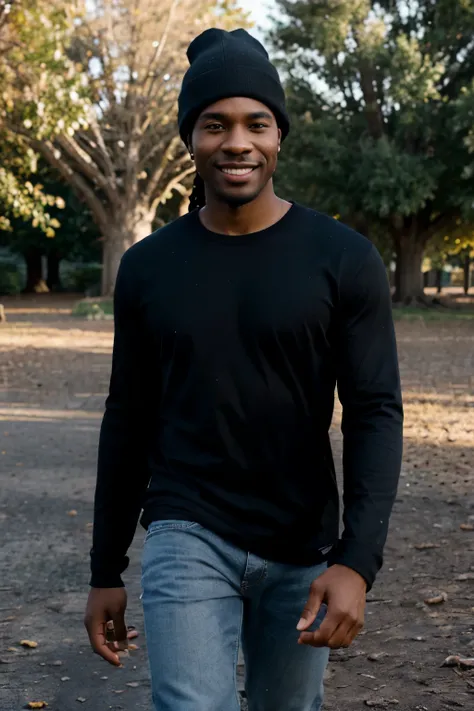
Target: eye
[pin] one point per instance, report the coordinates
(214, 127)
(258, 126)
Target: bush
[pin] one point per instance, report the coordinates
(94, 309)
(11, 280)
(83, 279)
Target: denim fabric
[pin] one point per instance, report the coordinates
(201, 597)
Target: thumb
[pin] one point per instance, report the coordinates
(311, 608)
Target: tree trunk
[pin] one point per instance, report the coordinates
(119, 238)
(53, 279)
(408, 275)
(34, 272)
(439, 280)
(467, 273)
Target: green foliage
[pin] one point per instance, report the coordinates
(94, 309)
(382, 100)
(43, 92)
(11, 281)
(75, 237)
(413, 314)
(82, 279)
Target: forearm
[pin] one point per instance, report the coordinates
(371, 463)
(372, 423)
(122, 475)
(122, 479)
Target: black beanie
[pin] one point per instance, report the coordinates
(227, 64)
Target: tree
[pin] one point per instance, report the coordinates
(75, 235)
(18, 196)
(458, 247)
(382, 95)
(115, 69)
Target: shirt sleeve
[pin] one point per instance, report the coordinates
(372, 423)
(122, 475)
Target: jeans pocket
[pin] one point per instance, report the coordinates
(168, 525)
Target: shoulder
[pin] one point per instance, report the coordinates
(345, 243)
(150, 247)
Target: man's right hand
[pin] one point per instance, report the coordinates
(105, 606)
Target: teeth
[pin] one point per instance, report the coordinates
(237, 171)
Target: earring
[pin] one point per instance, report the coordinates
(192, 156)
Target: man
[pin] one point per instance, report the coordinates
(233, 325)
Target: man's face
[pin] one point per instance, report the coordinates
(235, 144)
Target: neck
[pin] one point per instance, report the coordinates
(254, 216)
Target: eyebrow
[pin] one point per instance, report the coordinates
(255, 115)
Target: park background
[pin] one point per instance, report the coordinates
(381, 96)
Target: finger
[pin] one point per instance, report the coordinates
(99, 644)
(311, 608)
(352, 634)
(321, 636)
(341, 635)
(120, 630)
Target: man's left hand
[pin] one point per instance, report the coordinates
(344, 592)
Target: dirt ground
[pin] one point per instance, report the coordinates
(53, 381)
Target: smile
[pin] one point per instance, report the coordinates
(237, 171)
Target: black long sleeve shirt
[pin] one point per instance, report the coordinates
(226, 356)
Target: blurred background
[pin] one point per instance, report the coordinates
(381, 97)
(382, 105)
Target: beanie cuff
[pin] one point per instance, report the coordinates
(243, 80)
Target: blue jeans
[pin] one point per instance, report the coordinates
(201, 596)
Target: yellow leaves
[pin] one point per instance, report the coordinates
(37, 705)
(50, 233)
(29, 644)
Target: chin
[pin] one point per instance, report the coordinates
(237, 199)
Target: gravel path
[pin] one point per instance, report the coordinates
(53, 381)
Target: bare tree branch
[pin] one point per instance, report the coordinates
(47, 149)
(173, 184)
(86, 166)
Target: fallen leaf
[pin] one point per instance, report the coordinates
(72, 512)
(456, 661)
(465, 576)
(30, 645)
(65, 678)
(118, 691)
(3, 660)
(133, 684)
(467, 527)
(56, 664)
(37, 705)
(89, 525)
(81, 699)
(133, 647)
(13, 649)
(426, 546)
(437, 599)
(104, 677)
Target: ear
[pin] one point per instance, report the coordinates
(279, 140)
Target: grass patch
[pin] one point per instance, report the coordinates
(409, 313)
(94, 309)
(101, 309)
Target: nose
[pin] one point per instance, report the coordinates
(237, 141)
